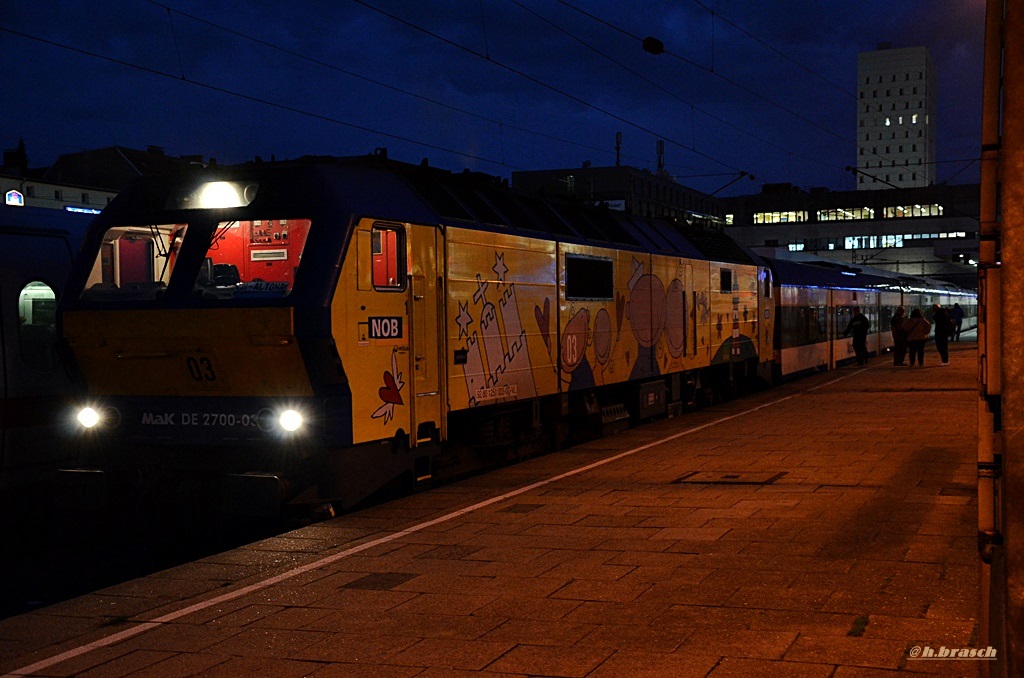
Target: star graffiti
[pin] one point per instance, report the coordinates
(500, 269)
(464, 319)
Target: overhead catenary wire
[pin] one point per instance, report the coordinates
(253, 99)
(717, 73)
(543, 84)
(379, 83)
(661, 88)
(842, 89)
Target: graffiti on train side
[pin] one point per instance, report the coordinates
(497, 360)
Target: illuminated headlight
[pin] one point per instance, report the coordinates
(88, 417)
(216, 195)
(290, 420)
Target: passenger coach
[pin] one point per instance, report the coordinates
(817, 299)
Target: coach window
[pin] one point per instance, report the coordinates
(37, 312)
(388, 249)
(767, 284)
(725, 281)
(589, 278)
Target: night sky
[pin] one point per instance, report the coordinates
(765, 87)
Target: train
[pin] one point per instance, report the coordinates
(817, 299)
(37, 248)
(317, 331)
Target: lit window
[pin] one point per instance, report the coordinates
(387, 247)
(37, 313)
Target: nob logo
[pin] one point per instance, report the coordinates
(385, 327)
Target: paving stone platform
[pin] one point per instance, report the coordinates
(822, 528)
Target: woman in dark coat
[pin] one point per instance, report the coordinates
(918, 330)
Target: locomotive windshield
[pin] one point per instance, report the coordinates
(222, 260)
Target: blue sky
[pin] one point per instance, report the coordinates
(767, 88)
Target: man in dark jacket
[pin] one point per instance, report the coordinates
(944, 328)
(957, 314)
(859, 326)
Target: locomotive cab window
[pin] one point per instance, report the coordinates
(388, 251)
(252, 259)
(134, 262)
(589, 278)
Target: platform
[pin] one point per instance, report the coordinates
(822, 528)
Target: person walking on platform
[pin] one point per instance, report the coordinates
(958, 321)
(859, 326)
(899, 337)
(944, 329)
(918, 329)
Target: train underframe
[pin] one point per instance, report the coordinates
(302, 477)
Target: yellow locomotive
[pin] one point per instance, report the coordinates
(318, 329)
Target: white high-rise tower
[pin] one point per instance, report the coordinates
(895, 118)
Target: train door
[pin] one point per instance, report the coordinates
(425, 340)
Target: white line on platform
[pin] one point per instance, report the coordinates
(142, 627)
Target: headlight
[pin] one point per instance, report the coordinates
(214, 195)
(290, 420)
(88, 417)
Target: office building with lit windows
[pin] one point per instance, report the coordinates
(895, 118)
(928, 231)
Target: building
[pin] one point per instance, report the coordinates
(635, 191)
(895, 118)
(929, 231)
(25, 187)
(81, 182)
(115, 167)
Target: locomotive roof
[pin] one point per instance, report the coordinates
(387, 189)
(482, 201)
